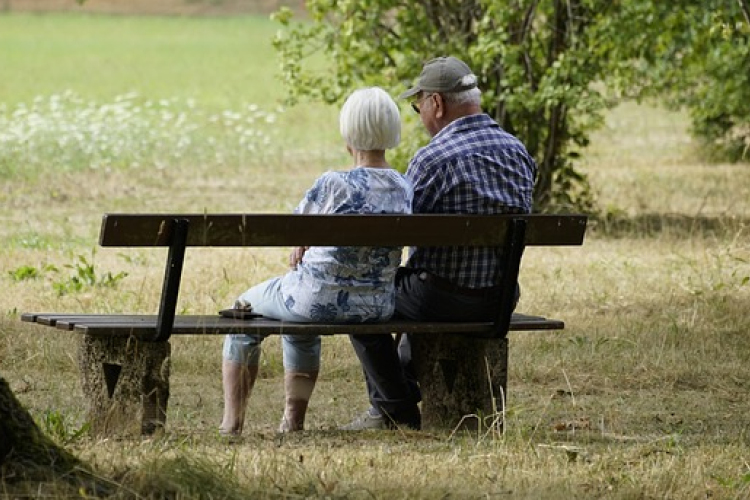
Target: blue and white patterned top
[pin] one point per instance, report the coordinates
(349, 284)
(472, 166)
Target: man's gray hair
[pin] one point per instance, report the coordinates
(370, 120)
(471, 96)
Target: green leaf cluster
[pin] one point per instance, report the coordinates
(84, 275)
(703, 65)
(56, 425)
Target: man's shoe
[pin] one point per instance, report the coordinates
(370, 419)
(373, 419)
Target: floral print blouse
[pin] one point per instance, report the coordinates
(349, 284)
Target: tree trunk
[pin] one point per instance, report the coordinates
(28, 457)
(463, 381)
(745, 7)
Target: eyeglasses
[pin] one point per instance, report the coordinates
(415, 105)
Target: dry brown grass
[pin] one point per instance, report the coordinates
(644, 395)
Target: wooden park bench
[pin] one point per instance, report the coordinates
(125, 358)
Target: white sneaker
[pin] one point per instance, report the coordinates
(367, 420)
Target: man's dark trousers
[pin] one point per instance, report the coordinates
(391, 386)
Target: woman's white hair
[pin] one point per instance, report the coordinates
(370, 120)
(471, 96)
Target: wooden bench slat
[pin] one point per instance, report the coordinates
(232, 230)
(144, 326)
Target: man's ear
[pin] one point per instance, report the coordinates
(439, 104)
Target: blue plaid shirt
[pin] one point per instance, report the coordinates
(472, 166)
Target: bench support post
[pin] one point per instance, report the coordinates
(510, 259)
(463, 381)
(172, 276)
(126, 384)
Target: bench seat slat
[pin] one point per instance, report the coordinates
(144, 326)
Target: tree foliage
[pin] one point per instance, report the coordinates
(28, 456)
(543, 65)
(534, 59)
(701, 62)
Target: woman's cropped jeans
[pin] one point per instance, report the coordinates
(301, 352)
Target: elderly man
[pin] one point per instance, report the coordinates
(470, 166)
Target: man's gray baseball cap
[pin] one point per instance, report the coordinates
(443, 74)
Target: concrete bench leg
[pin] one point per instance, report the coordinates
(459, 377)
(126, 384)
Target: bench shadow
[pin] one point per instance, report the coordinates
(674, 225)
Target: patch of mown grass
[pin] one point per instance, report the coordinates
(84, 92)
(220, 62)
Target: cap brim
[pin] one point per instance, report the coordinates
(410, 93)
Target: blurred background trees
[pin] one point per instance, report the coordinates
(701, 62)
(549, 69)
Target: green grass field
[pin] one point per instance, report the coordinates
(218, 62)
(644, 395)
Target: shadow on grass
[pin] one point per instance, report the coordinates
(675, 225)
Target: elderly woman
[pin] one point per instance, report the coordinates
(326, 284)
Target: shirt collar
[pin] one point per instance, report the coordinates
(466, 123)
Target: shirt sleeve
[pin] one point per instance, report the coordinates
(428, 183)
(322, 198)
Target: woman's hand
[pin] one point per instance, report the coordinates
(296, 256)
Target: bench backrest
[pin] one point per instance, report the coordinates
(510, 234)
(230, 230)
